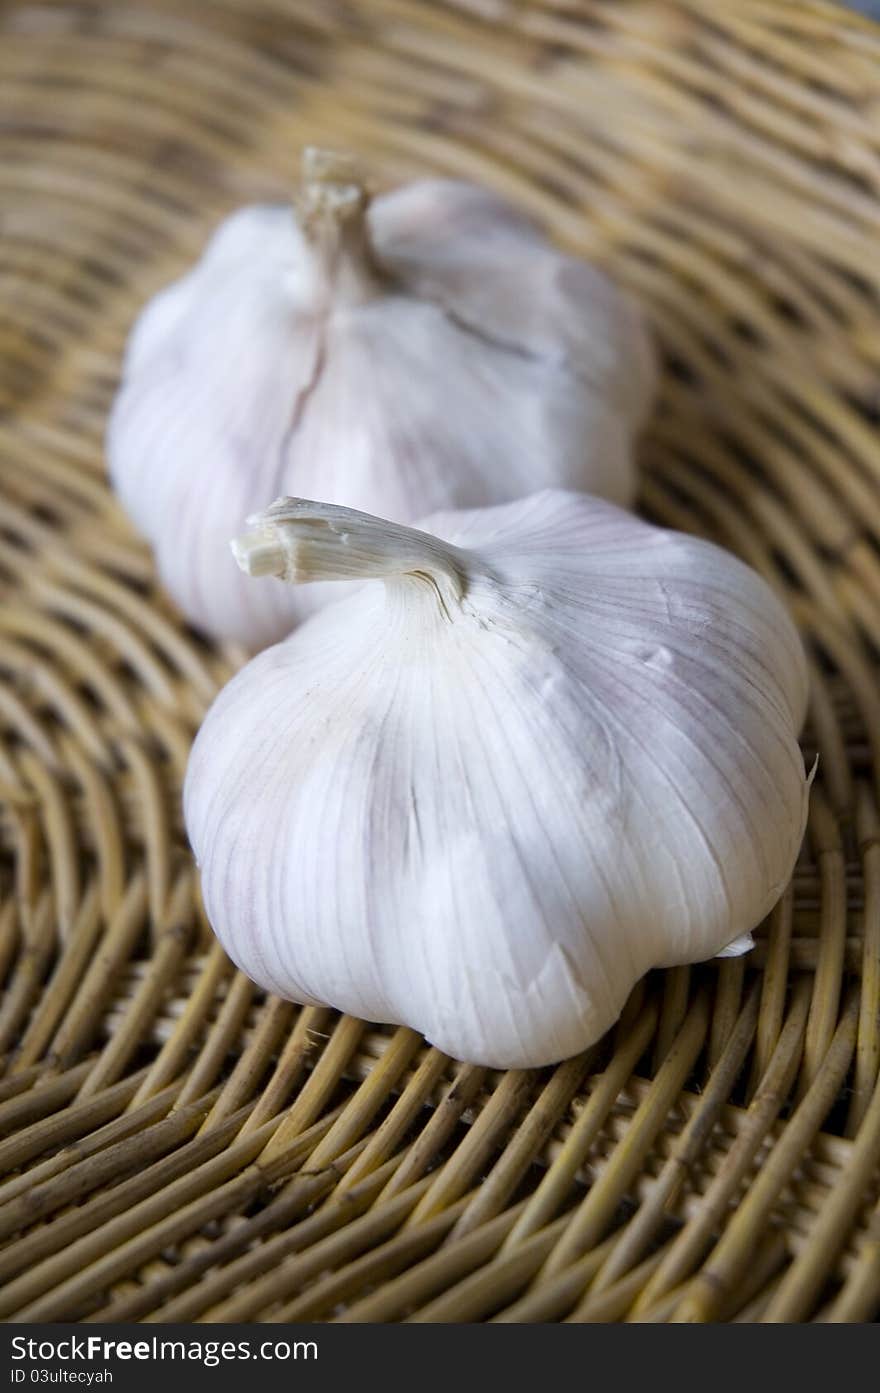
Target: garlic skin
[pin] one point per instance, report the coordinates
(425, 350)
(553, 750)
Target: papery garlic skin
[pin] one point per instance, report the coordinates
(426, 350)
(482, 799)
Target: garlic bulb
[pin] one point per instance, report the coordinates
(425, 350)
(555, 749)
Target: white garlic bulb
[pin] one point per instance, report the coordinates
(425, 350)
(555, 749)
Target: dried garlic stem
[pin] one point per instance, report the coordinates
(298, 541)
(332, 207)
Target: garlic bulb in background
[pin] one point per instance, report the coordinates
(554, 749)
(426, 350)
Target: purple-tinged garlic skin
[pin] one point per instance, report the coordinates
(427, 349)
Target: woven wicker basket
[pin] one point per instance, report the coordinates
(177, 1146)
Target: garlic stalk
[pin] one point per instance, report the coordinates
(426, 349)
(555, 748)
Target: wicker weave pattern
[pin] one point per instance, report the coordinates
(176, 1146)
